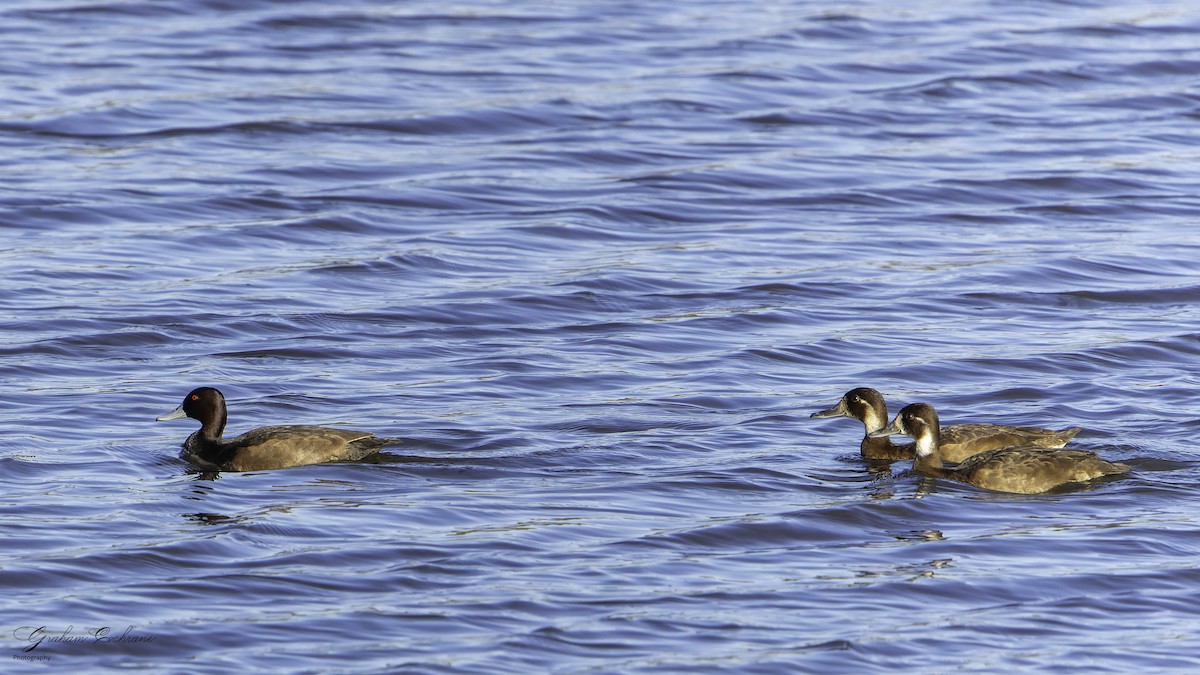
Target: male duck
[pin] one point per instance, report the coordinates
(958, 441)
(265, 448)
(1023, 470)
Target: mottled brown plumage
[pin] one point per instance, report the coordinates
(1025, 470)
(265, 448)
(959, 441)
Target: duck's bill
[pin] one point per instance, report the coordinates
(173, 415)
(838, 410)
(890, 430)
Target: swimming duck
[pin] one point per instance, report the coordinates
(1020, 469)
(958, 441)
(265, 448)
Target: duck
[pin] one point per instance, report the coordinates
(1017, 469)
(265, 448)
(959, 441)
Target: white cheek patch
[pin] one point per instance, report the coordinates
(873, 421)
(925, 445)
(923, 435)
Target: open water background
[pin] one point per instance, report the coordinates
(597, 263)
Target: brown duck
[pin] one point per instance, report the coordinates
(265, 448)
(1022, 469)
(958, 441)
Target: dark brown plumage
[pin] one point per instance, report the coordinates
(1025, 470)
(958, 441)
(265, 448)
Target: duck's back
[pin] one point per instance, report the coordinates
(961, 441)
(278, 447)
(1030, 470)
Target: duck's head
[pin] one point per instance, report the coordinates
(863, 404)
(918, 421)
(205, 404)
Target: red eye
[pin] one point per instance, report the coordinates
(195, 397)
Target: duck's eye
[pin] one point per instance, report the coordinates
(195, 397)
(857, 399)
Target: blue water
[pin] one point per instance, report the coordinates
(596, 263)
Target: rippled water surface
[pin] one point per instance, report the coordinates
(596, 263)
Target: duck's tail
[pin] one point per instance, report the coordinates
(1066, 435)
(1045, 438)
